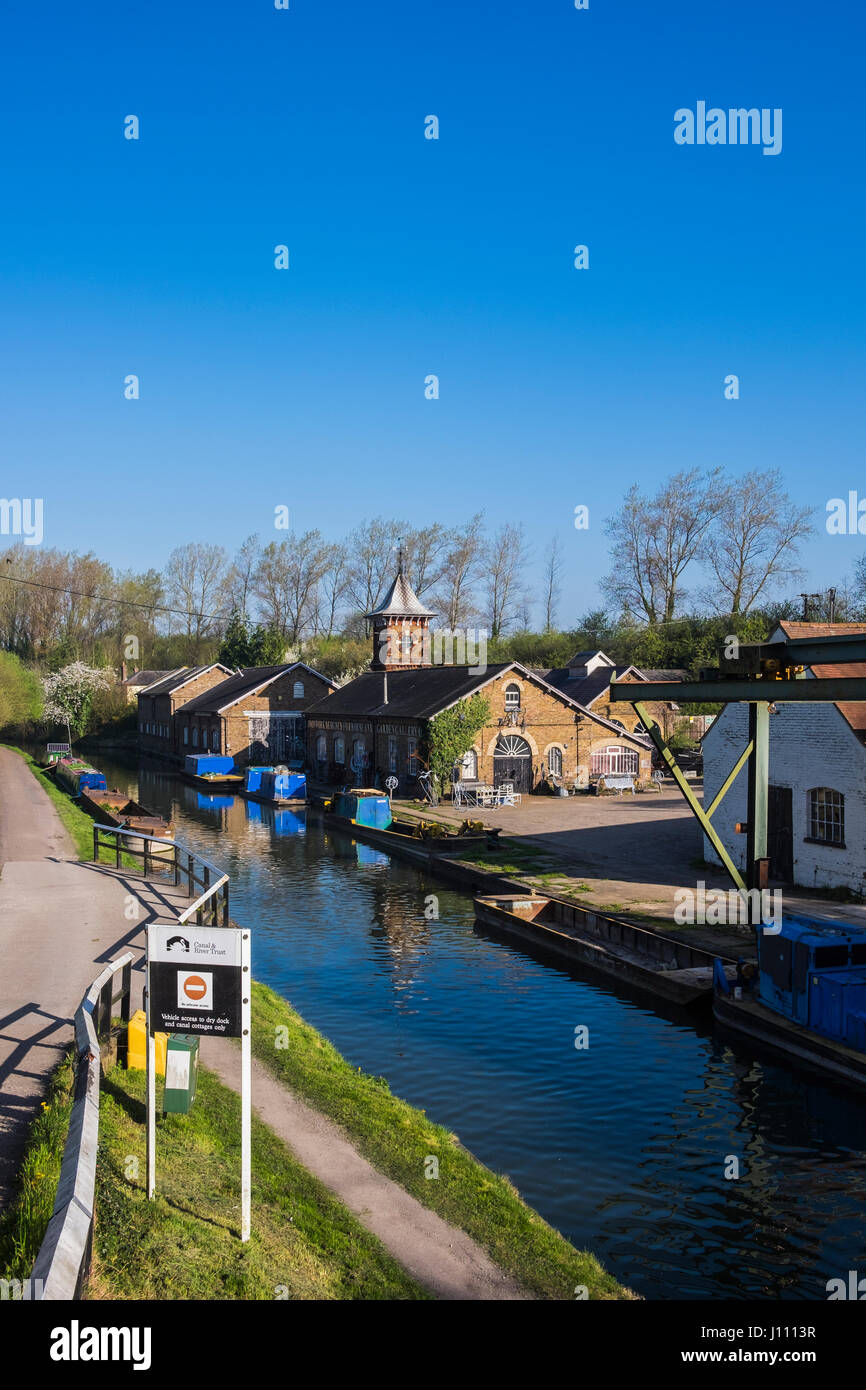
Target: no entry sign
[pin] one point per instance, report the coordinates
(196, 979)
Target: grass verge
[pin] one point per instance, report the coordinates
(23, 1224)
(398, 1140)
(185, 1243)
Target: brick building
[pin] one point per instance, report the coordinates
(817, 796)
(587, 679)
(376, 725)
(158, 703)
(255, 716)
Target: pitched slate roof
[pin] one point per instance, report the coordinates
(246, 682)
(401, 601)
(584, 689)
(181, 677)
(140, 678)
(425, 692)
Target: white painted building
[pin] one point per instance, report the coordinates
(817, 801)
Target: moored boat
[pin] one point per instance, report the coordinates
(667, 967)
(76, 776)
(367, 815)
(212, 770)
(280, 785)
(116, 809)
(808, 996)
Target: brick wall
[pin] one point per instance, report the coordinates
(810, 746)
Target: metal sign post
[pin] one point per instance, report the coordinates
(199, 983)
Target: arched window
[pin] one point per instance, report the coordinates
(512, 696)
(638, 729)
(215, 740)
(613, 759)
(321, 748)
(554, 762)
(826, 816)
(195, 735)
(186, 733)
(339, 750)
(619, 724)
(359, 755)
(298, 690)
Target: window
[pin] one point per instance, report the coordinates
(826, 816)
(186, 733)
(321, 748)
(339, 750)
(359, 755)
(215, 740)
(195, 735)
(392, 756)
(512, 697)
(619, 724)
(412, 758)
(469, 766)
(613, 759)
(554, 762)
(298, 690)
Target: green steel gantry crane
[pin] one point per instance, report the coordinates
(761, 674)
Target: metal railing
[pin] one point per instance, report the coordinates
(63, 1262)
(211, 906)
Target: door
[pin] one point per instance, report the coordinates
(780, 832)
(512, 762)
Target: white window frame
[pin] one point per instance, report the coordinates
(512, 696)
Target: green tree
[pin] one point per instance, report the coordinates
(237, 644)
(451, 734)
(267, 646)
(20, 692)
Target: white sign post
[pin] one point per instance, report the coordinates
(198, 982)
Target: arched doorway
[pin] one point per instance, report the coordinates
(512, 762)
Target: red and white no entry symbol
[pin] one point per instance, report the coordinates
(194, 987)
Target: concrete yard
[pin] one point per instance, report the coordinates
(627, 853)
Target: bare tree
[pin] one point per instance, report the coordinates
(506, 557)
(241, 578)
(425, 556)
(553, 564)
(287, 582)
(753, 541)
(656, 539)
(464, 564)
(373, 550)
(332, 589)
(195, 582)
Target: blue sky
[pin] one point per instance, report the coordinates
(410, 257)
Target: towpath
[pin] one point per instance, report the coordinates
(59, 920)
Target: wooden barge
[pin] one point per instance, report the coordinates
(116, 809)
(660, 964)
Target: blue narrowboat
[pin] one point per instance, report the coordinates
(276, 785)
(808, 997)
(212, 770)
(77, 777)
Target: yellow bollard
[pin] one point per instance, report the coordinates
(137, 1044)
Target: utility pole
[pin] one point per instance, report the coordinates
(805, 598)
(831, 596)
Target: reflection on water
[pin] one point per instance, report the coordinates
(624, 1145)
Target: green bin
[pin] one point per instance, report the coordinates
(181, 1069)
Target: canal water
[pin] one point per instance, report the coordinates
(624, 1145)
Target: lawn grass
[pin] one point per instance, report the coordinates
(185, 1243)
(399, 1140)
(76, 821)
(23, 1223)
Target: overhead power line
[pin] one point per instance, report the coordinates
(118, 602)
